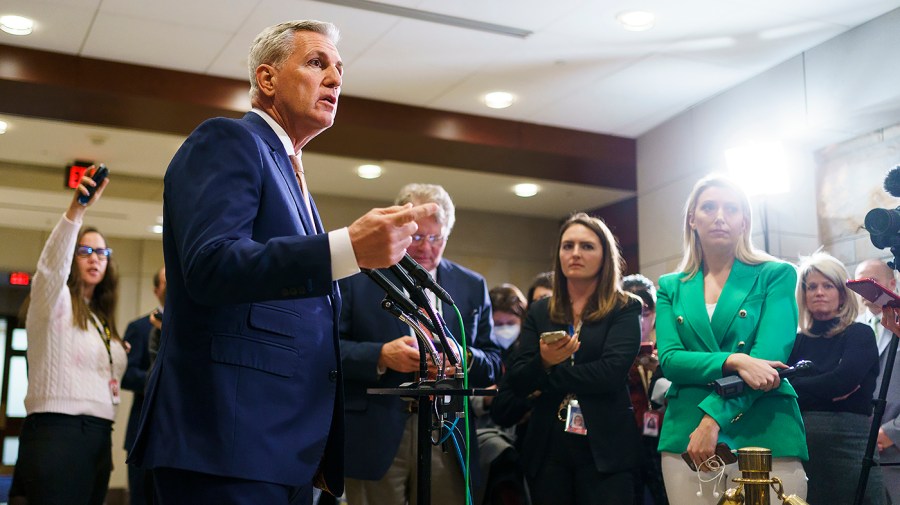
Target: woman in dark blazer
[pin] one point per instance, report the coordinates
(583, 373)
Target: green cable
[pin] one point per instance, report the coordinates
(465, 366)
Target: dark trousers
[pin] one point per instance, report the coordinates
(568, 475)
(64, 459)
(176, 487)
(136, 491)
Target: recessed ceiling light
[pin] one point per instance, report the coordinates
(16, 25)
(157, 228)
(636, 21)
(499, 99)
(368, 171)
(525, 189)
(3, 126)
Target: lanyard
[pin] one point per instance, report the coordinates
(106, 337)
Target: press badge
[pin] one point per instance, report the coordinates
(575, 419)
(114, 391)
(651, 423)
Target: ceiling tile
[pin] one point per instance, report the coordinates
(148, 42)
(58, 26)
(218, 15)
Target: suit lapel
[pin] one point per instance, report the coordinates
(694, 310)
(737, 287)
(447, 280)
(285, 169)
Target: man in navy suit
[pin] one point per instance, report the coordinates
(137, 335)
(243, 405)
(379, 351)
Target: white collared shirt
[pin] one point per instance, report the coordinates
(343, 259)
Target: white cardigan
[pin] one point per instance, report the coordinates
(68, 368)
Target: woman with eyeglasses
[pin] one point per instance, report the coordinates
(75, 362)
(729, 309)
(836, 397)
(581, 445)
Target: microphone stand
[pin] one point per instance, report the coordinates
(430, 395)
(868, 460)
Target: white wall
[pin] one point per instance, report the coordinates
(808, 102)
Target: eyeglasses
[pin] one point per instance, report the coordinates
(431, 239)
(103, 253)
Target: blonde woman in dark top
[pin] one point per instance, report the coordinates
(836, 398)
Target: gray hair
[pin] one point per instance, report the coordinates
(416, 193)
(275, 44)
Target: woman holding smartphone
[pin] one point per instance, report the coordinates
(582, 444)
(728, 310)
(75, 362)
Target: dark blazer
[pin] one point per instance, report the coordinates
(375, 423)
(247, 380)
(136, 334)
(598, 378)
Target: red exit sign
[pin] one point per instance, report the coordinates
(19, 278)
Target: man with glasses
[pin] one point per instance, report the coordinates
(378, 350)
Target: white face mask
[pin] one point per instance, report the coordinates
(505, 335)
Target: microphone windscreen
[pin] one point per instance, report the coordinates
(892, 182)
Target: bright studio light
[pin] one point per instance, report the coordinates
(760, 167)
(525, 190)
(3, 126)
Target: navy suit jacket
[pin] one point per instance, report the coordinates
(137, 335)
(247, 382)
(375, 423)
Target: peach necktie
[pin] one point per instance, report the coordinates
(304, 190)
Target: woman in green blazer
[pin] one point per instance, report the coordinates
(728, 310)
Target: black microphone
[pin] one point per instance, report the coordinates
(733, 385)
(892, 182)
(417, 294)
(397, 296)
(424, 278)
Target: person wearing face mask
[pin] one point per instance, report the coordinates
(508, 310)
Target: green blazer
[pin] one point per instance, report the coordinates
(756, 314)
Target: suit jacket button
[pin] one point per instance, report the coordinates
(742, 313)
(285, 292)
(679, 320)
(332, 376)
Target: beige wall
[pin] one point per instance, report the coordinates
(503, 248)
(812, 104)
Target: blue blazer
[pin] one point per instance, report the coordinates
(248, 378)
(375, 423)
(137, 335)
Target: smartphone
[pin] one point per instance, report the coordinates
(874, 292)
(722, 451)
(99, 175)
(548, 337)
(646, 349)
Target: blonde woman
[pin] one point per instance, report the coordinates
(728, 310)
(836, 398)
